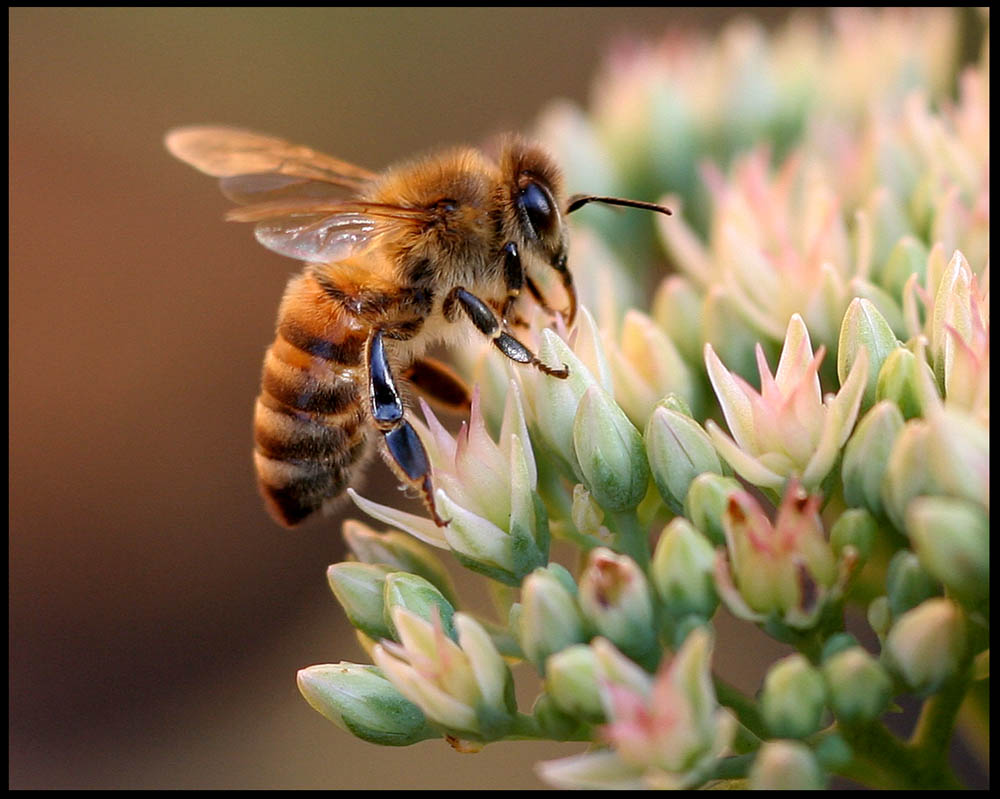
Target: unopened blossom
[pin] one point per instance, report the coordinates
(662, 733)
(785, 569)
(615, 599)
(927, 645)
(361, 701)
(787, 429)
(464, 686)
(785, 766)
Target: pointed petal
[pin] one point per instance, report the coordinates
(748, 467)
(417, 526)
(736, 406)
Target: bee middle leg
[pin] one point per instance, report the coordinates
(407, 455)
(486, 321)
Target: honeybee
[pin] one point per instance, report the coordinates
(392, 262)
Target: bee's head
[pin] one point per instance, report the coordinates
(534, 189)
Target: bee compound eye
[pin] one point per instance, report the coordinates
(537, 205)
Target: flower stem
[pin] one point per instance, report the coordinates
(744, 707)
(527, 728)
(631, 537)
(883, 761)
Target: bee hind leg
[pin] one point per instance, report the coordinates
(405, 452)
(485, 320)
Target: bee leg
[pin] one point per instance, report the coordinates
(487, 323)
(407, 455)
(513, 273)
(516, 279)
(439, 383)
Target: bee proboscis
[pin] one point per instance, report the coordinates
(393, 261)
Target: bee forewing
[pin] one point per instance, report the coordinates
(225, 152)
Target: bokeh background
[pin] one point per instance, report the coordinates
(157, 616)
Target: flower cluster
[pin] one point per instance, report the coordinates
(796, 424)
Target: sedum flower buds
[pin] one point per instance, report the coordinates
(927, 645)
(616, 601)
(793, 698)
(682, 571)
(549, 620)
(785, 766)
(610, 452)
(831, 216)
(361, 701)
(679, 450)
(858, 687)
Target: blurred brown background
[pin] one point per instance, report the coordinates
(157, 616)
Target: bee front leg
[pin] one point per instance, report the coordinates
(487, 323)
(406, 453)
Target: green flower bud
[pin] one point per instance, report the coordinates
(361, 701)
(678, 450)
(952, 541)
(906, 583)
(360, 589)
(610, 452)
(899, 382)
(614, 598)
(864, 328)
(706, 503)
(556, 401)
(926, 646)
(418, 596)
(571, 679)
(793, 697)
(880, 616)
(399, 550)
(958, 457)
(682, 571)
(785, 766)
(858, 686)
(907, 473)
(866, 457)
(549, 620)
(855, 528)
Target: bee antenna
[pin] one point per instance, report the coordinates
(577, 201)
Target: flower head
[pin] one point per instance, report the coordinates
(785, 569)
(663, 732)
(787, 429)
(465, 687)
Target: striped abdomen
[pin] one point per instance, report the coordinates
(310, 423)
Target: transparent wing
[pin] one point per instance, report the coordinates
(321, 231)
